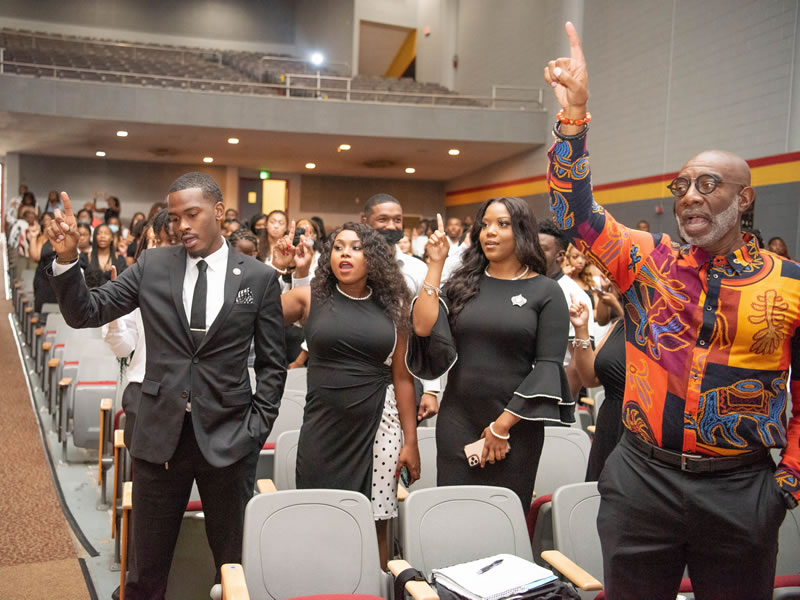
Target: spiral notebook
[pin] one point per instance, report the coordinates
(493, 577)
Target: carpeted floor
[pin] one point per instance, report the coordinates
(37, 557)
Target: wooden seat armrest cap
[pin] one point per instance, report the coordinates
(591, 428)
(127, 495)
(402, 493)
(65, 381)
(419, 590)
(28, 310)
(53, 362)
(105, 404)
(266, 486)
(46, 346)
(234, 586)
(38, 331)
(34, 320)
(119, 438)
(587, 400)
(571, 571)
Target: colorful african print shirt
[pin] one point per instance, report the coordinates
(710, 339)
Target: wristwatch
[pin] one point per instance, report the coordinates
(789, 500)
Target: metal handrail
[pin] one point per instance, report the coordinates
(285, 88)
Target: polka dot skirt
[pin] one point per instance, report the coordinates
(385, 452)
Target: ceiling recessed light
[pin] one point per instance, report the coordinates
(311, 165)
(410, 170)
(317, 58)
(100, 153)
(344, 147)
(233, 140)
(454, 152)
(122, 133)
(208, 159)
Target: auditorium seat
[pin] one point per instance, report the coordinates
(565, 456)
(300, 543)
(444, 526)
(290, 417)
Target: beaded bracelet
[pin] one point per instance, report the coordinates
(579, 343)
(560, 116)
(497, 435)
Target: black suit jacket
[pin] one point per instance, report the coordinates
(229, 420)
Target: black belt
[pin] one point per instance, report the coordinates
(695, 463)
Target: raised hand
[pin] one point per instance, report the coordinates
(438, 246)
(578, 313)
(283, 252)
(569, 78)
(63, 231)
(303, 257)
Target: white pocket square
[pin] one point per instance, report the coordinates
(244, 296)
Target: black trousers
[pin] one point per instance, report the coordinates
(160, 494)
(654, 520)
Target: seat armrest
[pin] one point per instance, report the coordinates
(419, 590)
(591, 429)
(65, 382)
(53, 362)
(105, 404)
(127, 495)
(234, 586)
(578, 576)
(119, 438)
(266, 486)
(587, 400)
(46, 346)
(38, 331)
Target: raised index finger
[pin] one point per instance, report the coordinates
(291, 231)
(67, 204)
(439, 222)
(575, 48)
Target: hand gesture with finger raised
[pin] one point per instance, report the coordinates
(63, 231)
(570, 80)
(283, 252)
(438, 245)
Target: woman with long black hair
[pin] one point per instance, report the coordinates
(500, 326)
(359, 427)
(102, 256)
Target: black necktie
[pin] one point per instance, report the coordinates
(198, 319)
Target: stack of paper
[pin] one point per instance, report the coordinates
(493, 577)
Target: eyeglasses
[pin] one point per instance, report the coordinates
(705, 184)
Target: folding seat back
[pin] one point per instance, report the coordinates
(286, 460)
(97, 378)
(426, 440)
(564, 458)
(307, 542)
(575, 509)
(444, 526)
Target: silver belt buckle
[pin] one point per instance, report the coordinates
(684, 460)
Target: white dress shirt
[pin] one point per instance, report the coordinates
(126, 335)
(572, 289)
(418, 245)
(414, 271)
(215, 277)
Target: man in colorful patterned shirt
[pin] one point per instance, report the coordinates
(711, 335)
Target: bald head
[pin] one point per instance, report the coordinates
(731, 167)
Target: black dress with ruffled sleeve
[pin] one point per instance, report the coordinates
(505, 352)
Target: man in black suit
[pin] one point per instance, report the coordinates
(202, 304)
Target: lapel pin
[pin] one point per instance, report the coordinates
(237, 271)
(519, 300)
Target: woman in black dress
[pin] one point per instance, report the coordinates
(502, 326)
(604, 366)
(102, 257)
(359, 427)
